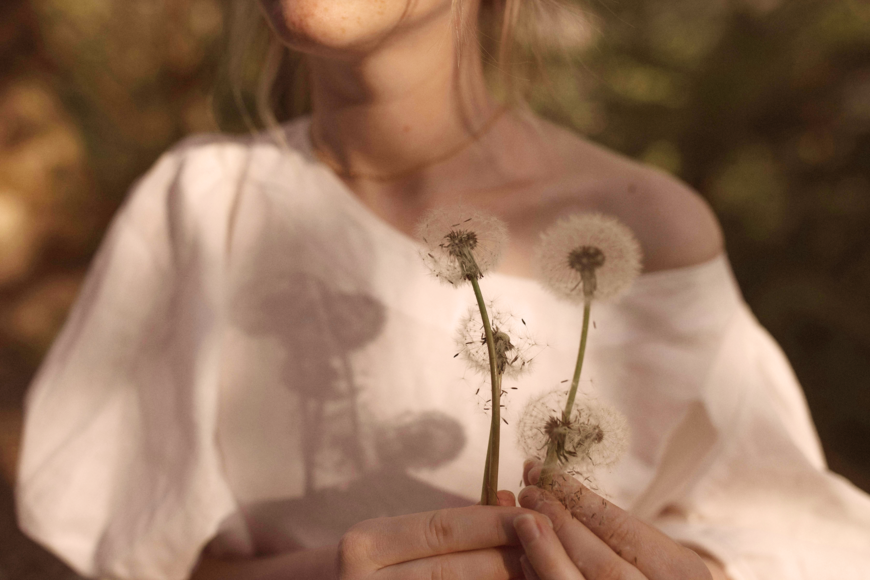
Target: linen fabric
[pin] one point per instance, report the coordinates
(256, 362)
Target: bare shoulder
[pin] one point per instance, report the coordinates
(674, 224)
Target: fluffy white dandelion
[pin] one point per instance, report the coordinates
(588, 256)
(461, 243)
(515, 347)
(595, 435)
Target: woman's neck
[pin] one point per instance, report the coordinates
(400, 106)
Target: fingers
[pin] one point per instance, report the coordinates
(528, 464)
(589, 553)
(487, 564)
(506, 498)
(544, 553)
(528, 569)
(378, 543)
(652, 552)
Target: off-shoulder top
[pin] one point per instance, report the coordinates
(258, 361)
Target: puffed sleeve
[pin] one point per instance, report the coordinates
(119, 474)
(744, 479)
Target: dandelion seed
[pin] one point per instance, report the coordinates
(595, 435)
(456, 355)
(461, 243)
(588, 256)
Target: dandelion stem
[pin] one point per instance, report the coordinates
(548, 470)
(486, 464)
(569, 405)
(490, 476)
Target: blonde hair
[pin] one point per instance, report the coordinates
(269, 83)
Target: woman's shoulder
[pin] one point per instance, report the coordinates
(192, 164)
(202, 169)
(230, 150)
(674, 224)
(226, 151)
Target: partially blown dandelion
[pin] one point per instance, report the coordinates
(594, 434)
(514, 345)
(461, 245)
(582, 258)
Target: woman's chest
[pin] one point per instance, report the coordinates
(342, 395)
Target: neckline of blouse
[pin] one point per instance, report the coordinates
(296, 132)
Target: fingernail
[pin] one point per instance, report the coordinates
(549, 521)
(527, 464)
(527, 528)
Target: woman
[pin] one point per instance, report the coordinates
(258, 380)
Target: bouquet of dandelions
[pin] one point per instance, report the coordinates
(582, 258)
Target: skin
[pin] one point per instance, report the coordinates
(595, 539)
(388, 95)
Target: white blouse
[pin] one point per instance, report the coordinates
(258, 361)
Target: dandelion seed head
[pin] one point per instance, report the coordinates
(461, 243)
(514, 345)
(595, 435)
(586, 258)
(592, 255)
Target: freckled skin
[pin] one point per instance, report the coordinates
(336, 27)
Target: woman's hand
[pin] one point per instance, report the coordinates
(476, 542)
(596, 540)
(452, 544)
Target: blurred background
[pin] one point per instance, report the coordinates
(761, 105)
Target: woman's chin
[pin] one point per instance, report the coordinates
(327, 45)
(329, 28)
